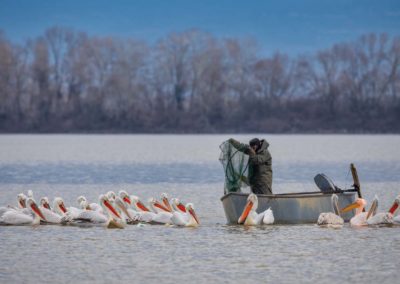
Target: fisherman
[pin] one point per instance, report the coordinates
(260, 164)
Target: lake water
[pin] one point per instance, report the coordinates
(187, 167)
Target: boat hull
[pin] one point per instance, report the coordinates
(291, 208)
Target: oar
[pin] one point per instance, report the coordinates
(356, 180)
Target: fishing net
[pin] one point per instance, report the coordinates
(235, 167)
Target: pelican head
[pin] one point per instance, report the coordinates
(165, 200)
(156, 206)
(190, 209)
(359, 205)
(105, 203)
(32, 204)
(177, 205)
(395, 205)
(44, 202)
(125, 196)
(21, 200)
(59, 205)
(139, 204)
(251, 205)
(111, 195)
(123, 206)
(80, 199)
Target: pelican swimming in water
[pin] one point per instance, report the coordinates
(21, 200)
(381, 218)
(360, 217)
(88, 206)
(188, 219)
(165, 201)
(331, 219)
(92, 217)
(367, 218)
(60, 208)
(250, 217)
(18, 217)
(395, 209)
(44, 202)
(177, 205)
(162, 216)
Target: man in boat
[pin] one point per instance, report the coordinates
(260, 164)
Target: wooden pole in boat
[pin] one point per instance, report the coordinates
(356, 180)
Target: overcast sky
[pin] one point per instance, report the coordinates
(293, 27)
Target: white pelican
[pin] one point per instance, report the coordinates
(157, 206)
(18, 217)
(44, 202)
(126, 197)
(60, 208)
(360, 217)
(21, 200)
(50, 217)
(130, 216)
(88, 206)
(381, 218)
(165, 200)
(139, 206)
(177, 205)
(113, 220)
(250, 217)
(139, 212)
(394, 209)
(367, 218)
(162, 216)
(331, 219)
(188, 219)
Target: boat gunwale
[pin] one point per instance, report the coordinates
(306, 194)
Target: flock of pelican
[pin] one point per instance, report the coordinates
(361, 217)
(118, 210)
(112, 211)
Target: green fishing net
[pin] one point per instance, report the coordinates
(235, 164)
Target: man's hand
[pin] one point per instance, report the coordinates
(234, 142)
(251, 152)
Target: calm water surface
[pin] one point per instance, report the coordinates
(187, 167)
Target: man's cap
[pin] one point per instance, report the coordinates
(254, 142)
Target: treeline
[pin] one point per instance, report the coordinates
(193, 82)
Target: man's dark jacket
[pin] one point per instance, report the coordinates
(260, 167)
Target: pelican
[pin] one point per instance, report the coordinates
(367, 218)
(88, 206)
(140, 212)
(139, 205)
(163, 216)
(126, 197)
(157, 206)
(394, 209)
(250, 217)
(113, 220)
(331, 219)
(165, 200)
(50, 217)
(21, 200)
(360, 217)
(60, 208)
(188, 219)
(130, 216)
(177, 205)
(44, 202)
(381, 218)
(18, 217)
